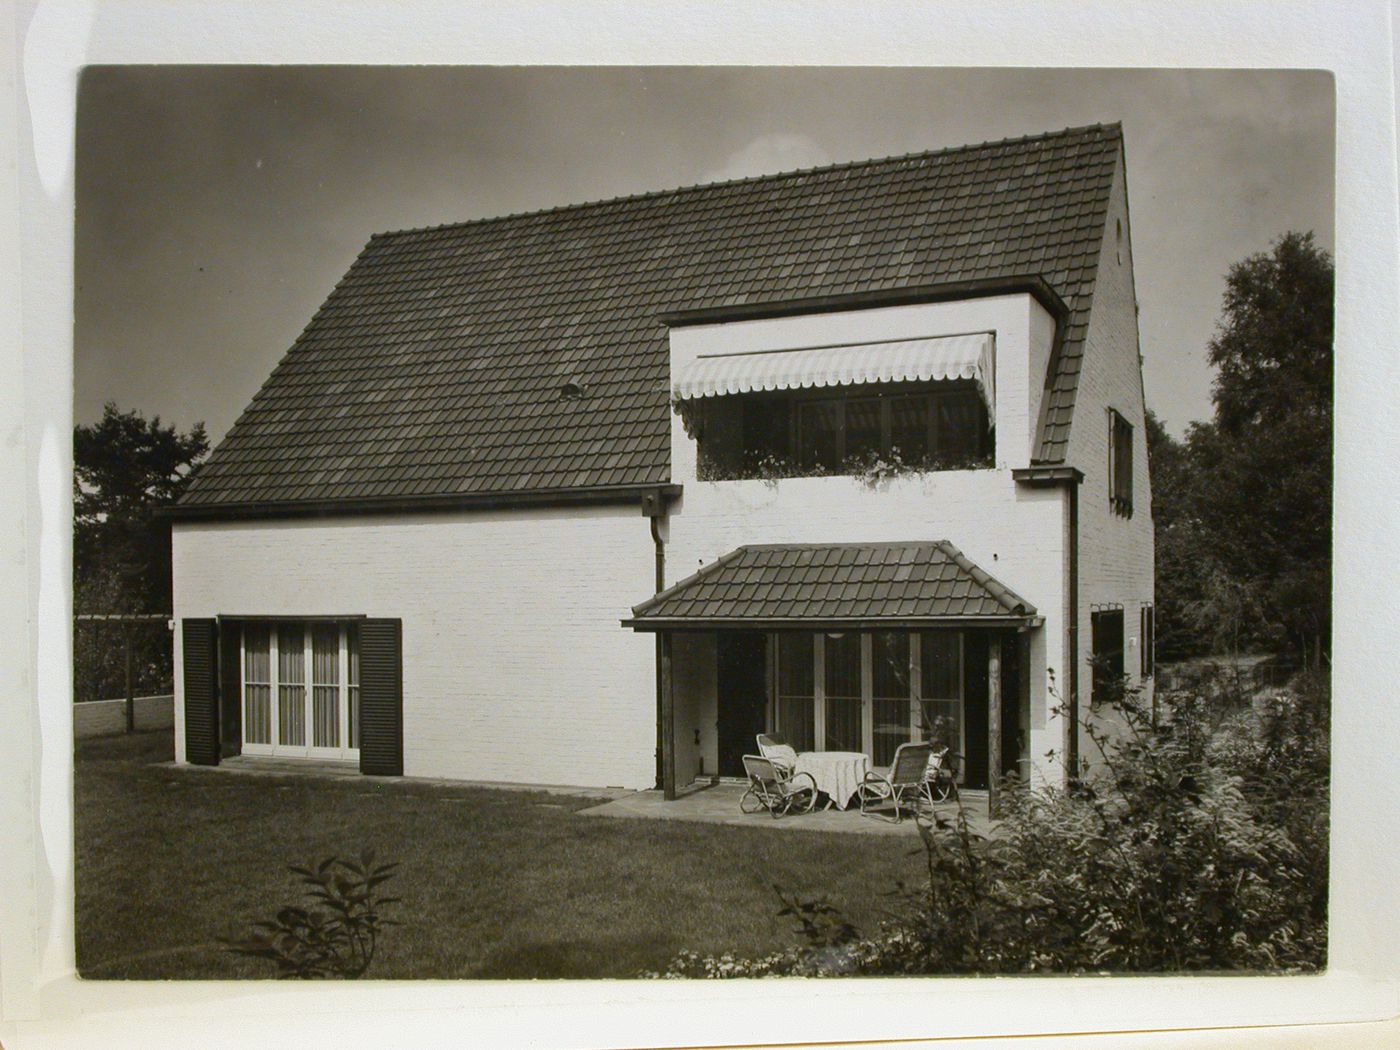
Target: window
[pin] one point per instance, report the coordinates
(891, 699)
(941, 688)
(797, 691)
(1148, 640)
(845, 729)
(869, 691)
(943, 427)
(1120, 464)
(300, 689)
(1107, 630)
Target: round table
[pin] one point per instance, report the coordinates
(837, 773)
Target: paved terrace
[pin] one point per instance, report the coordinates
(717, 804)
(720, 805)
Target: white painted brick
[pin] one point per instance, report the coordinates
(1014, 532)
(516, 667)
(1115, 552)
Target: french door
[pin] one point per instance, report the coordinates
(869, 691)
(300, 689)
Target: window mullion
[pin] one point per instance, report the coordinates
(342, 699)
(308, 717)
(274, 688)
(819, 688)
(916, 686)
(867, 689)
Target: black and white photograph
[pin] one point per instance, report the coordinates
(621, 523)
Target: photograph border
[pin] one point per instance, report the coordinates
(37, 984)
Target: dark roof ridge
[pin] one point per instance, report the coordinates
(821, 169)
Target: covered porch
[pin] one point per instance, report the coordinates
(845, 647)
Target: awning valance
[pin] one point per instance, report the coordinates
(848, 585)
(967, 356)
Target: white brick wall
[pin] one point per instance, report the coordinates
(1115, 553)
(515, 665)
(1014, 532)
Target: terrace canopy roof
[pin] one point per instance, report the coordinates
(858, 585)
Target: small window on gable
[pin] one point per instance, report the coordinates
(1107, 648)
(1120, 464)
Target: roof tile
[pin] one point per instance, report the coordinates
(460, 338)
(831, 582)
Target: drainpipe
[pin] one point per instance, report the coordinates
(1072, 570)
(654, 507)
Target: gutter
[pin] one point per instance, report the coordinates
(1032, 284)
(643, 624)
(1070, 478)
(324, 508)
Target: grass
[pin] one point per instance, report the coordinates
(495, 884)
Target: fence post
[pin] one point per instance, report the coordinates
(130, 696)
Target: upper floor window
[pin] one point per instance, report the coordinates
(1120, 464)
(844, 430)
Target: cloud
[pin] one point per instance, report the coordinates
(778, 151)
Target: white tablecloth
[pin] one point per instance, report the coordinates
(838, 773)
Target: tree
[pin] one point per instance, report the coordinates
(1244, 505)
(1177, 547)
(124, 468)
(1269, 450)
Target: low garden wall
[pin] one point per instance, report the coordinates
(105, 717)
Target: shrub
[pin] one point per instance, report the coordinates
(1182, 849)
(335, 937)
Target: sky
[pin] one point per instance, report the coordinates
(217, 206)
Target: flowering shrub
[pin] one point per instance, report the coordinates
(1188, 847)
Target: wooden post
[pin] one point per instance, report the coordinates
(668, 721)
(130, 697)
(993, 723)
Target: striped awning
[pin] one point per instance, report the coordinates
(967, 356)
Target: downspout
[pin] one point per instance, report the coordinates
(1072, 613)
(660, 586)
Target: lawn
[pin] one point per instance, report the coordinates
(495, 884)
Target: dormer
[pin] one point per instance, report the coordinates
(922, 387)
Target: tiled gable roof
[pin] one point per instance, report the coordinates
(867, 583)
(436, 366)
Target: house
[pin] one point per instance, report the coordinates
(592, 495)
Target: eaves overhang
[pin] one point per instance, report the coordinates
(529, 498)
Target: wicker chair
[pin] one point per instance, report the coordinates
(775, 748)
(906, 785)
(776, 789)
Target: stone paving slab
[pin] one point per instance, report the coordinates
(720, 805)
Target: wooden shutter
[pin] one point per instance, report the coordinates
(200, 646)
(381, 697)
(230, 691)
